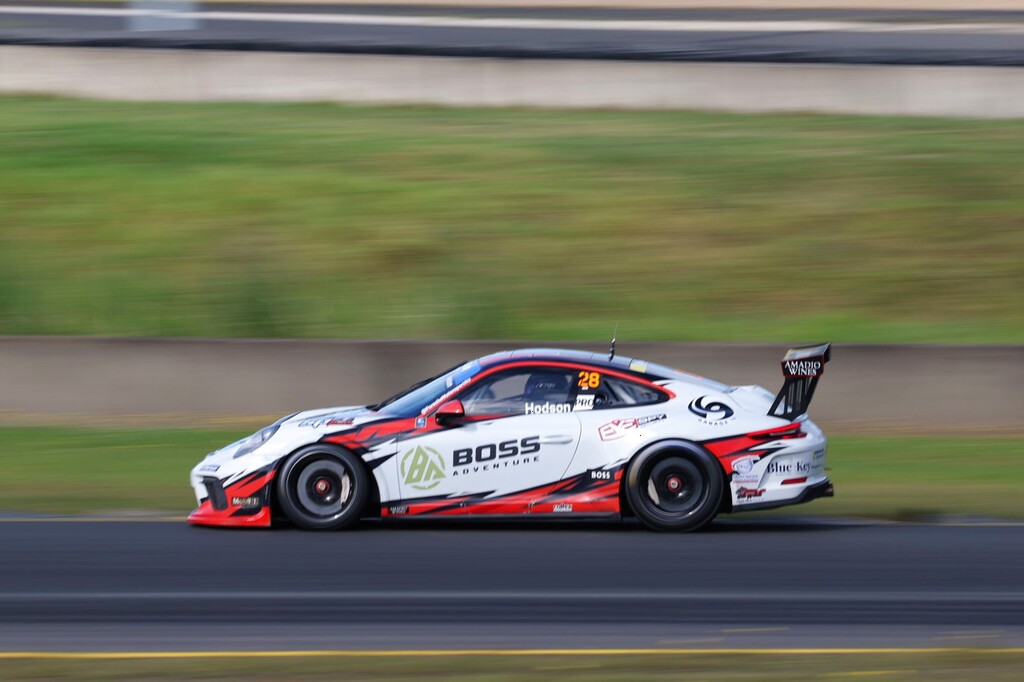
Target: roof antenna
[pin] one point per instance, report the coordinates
(611, 351)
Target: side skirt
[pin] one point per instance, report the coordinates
(470, 518)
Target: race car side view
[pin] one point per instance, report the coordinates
(531, 433)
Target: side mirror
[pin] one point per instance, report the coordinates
(450, 412)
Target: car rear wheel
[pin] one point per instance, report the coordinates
(674, 486)
(322, 487)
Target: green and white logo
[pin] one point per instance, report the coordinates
(422, 468)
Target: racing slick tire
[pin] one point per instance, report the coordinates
(323, 487)
(674, 486)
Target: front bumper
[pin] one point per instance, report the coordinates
(245, 502)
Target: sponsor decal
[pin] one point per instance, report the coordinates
(491, 452)
(562, 507)
(452, 390)
(599, 475)
(399, 510)
(743, 471)
(583, 403)
(744, 465)
(327, 420)
(818, 454)
(548, 408)
(744, 494)
(710, 412)
(788, 467)
(638, 366)
(422, 468)
(620, 428)
(802, 368)
(494, 466)
(246, 502)
(209, 467)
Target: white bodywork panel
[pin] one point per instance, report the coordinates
(497, 457)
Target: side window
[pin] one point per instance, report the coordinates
(616, 392)
(529, 390)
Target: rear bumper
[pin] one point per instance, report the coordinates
(811, 492)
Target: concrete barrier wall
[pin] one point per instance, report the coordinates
(185, 75)
(150, 382)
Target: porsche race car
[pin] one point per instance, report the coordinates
(532, 433)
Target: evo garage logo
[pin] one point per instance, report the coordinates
(620, 428)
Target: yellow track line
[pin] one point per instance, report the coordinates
(409, 653)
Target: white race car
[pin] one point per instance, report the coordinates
(532, 433)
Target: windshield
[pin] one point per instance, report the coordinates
(415, 399)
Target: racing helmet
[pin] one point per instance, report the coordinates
(548, 386)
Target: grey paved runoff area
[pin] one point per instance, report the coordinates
(967, 37)
(90, 585)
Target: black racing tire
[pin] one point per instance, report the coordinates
(674, 486)
(323, 487)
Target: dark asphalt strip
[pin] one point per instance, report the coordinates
(667, 608)
(951, 48)
(966, 14)
(738, 53)
(749, 573)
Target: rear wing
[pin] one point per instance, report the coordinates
(801, 368)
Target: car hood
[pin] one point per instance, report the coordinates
(295, 430)
(333, 418)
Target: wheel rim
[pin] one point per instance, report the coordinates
(674, 486)
(323, 488)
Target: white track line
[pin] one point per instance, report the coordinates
(537, 24)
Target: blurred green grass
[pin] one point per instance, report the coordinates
(81, 470)
(938, 665)
(73, 471)
(317, 220)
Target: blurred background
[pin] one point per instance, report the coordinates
(212, 214)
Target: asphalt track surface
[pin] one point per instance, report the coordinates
(91, 585)
(856, 37)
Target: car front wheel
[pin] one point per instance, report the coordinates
(322, 487)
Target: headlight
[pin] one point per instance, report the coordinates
(253, 442)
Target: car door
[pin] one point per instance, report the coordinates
(519, 434)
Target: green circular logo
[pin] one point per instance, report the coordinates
(422, 468)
